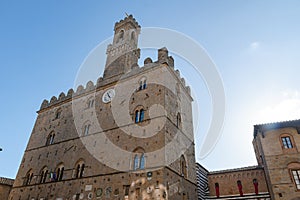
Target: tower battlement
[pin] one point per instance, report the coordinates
(163, 59)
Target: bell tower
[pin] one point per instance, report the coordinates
(123, 54)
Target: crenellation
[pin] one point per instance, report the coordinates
(183, 81)
(129, 18)
(80, 90)
(177, 73)
(188, 88)
(70, 93)
(53, 100)
(45, 104)
(90, 86)
(171, 61)
(62, 96)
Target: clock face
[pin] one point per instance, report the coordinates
(108, 95)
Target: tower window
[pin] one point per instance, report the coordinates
(183, 167)
(28, 178)
(79, 169)
(90, 103)
(286, 142)
(86, 129)
(139, 159)
(139, 162)
(139, 115)
(142, 162)
(60, 173)
(143, 83)
(136, 162)
(296, 177)
(43, 175)
(178, 123)
(121, 36)
(132, 36)
(50, 139)
(58, 114)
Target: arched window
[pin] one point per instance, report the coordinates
(286, 141)
(120, 36)
(142, 162)
(294, 169)
(178, 120)
(133, 36)
(139, 115)
(50, 139)
(58, 114)
(240, 187)
(139, 159)
(183, 166)
(217, 188)
(43, 175)
(28, 177)
(255, 184)
(136, 162)
(90, 103)
(143, 83)
(86, 129)
(60, 172)
(79, 169)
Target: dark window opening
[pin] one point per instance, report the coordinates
(240, 187)
(286, 142)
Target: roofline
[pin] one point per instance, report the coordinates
(276, 125)
(236, 170)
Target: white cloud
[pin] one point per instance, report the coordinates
(288, 108)
(254, 45)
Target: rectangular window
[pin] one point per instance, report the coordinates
(286, 141)
(296, 176)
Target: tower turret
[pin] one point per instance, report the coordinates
(123, 54)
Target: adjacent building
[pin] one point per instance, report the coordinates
(5, 187)
(277, 175)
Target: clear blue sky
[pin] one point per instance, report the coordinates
(255, 45)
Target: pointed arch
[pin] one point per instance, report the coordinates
(139, 159)
(183, 166)
(142, 83)
(28, 177)
(43, 174)
(139, 114)
(58, 113)
(60, 171)
(79, 169)
(120, 36)
(86, 128)
(50, 138)
(178, 120)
